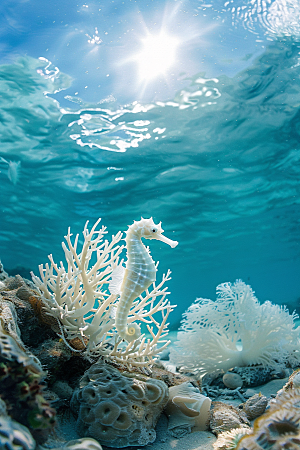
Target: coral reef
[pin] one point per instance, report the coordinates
(117, 409)
(224, 417)
(187, 409)
(77, 298)
(235, 330)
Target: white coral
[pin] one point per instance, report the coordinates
(76, 295)
(235, 330)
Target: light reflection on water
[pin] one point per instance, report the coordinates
(214, 156)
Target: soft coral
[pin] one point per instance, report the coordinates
(235, 330)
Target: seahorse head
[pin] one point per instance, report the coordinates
(150, 230)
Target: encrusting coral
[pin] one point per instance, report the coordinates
(117, 409)
(235, 330)
(89, 317)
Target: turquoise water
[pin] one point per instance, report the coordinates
(211, 148)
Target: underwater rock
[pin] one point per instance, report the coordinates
(28, 306)
(255, 406)
(278, 428)
(117, 409)
(227, 440)
(232, 380)
(187, 409)
(224, 417)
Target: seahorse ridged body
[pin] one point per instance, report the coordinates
(139, 274)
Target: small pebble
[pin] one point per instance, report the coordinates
(232, 380)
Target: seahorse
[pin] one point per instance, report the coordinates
(139, 274)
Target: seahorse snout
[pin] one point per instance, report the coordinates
(161, 237)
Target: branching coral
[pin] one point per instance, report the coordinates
(235, 330)
(77, 296)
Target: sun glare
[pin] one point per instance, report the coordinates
(157, 55)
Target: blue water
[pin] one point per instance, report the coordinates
(211, 148)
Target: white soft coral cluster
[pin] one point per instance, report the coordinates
(235, 330)
(77, 296)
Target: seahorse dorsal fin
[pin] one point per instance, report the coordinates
(116, 280)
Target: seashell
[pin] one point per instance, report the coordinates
(187, 409)
(255, 406)
(232, 380)
(224, 417)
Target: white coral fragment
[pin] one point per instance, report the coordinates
(235, 330)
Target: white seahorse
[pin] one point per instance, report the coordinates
(139, 274)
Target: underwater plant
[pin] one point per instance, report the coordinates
(235, 330)
(77, 296)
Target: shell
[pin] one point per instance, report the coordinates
(255, 406)
(187, 409)
(224, 417)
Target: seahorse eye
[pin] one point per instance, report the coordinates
(153, 230)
